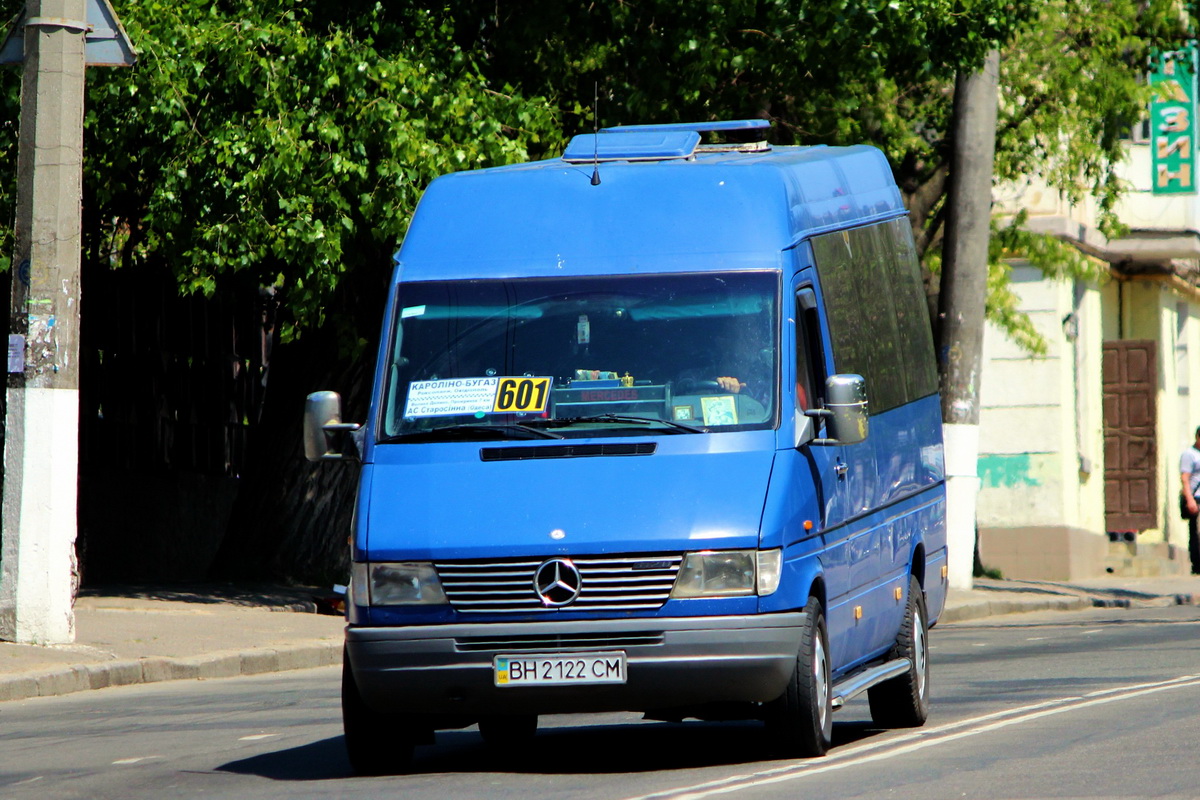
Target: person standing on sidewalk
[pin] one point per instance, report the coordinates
(1189, 474)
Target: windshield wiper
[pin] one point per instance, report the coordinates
(467, 431)
(621, 419)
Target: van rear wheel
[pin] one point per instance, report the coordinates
(802, 717)
(903, 702)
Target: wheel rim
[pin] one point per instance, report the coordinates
(919, 652)
(821, 682)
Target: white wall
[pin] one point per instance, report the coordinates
(1041, 449)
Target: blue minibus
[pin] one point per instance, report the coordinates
(655, 427)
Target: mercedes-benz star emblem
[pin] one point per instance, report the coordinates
(557, 582)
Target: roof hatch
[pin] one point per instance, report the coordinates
(676, 140)
(699, 127)
(632, 146)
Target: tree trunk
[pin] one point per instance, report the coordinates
(961, 301)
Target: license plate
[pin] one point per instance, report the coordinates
(559, 669)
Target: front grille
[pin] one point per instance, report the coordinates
(608, 583)
(560, 641)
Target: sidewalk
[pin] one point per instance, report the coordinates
(128, 635)
(995, 597)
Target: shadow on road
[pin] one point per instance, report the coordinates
(588, 750)
(319, 761)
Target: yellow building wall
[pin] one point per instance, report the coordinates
(1146, 309)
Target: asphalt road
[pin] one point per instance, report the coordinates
(1096, 704)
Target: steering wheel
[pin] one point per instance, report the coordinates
(695, 386)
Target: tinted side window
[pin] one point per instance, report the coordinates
(877, 314)
(871, 255)
(850, 344)
(912, 313)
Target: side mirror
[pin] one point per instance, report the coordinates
(845, 410)
(324, 432)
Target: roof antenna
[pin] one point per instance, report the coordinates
(596, 135)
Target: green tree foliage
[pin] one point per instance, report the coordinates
(824, 71)
(291, 140)
(1073, 88)
(279, 141)
(849, 71)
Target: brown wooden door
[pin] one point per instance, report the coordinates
(1130, 376)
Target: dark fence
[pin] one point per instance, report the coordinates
(168, 381)
(171, 390)
(172, 397)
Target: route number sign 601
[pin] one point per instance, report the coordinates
(522, 395)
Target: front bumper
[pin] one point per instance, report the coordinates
(672, 662)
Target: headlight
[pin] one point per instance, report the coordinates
(719, 574)
(395, 584)
(728, 573)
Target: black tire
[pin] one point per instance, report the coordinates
(508, 731)
(801, 719)
(377, 744)
(903, 702)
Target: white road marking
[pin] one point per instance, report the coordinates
(123, 761)
(919, 740)
(257, 736)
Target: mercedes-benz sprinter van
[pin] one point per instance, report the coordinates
(655, 427)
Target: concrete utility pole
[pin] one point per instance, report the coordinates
(41, 452)
(961, 304)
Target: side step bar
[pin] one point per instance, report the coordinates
(854, 685)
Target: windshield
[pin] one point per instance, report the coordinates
(568, 357)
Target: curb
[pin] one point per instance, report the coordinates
(1080, 599)
(991, 608)
(1130, 598)
(228, 664)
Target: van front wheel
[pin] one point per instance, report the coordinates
(903, 702)
(802, 717)
(376, 744)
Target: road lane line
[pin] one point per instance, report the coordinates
(919, 740)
